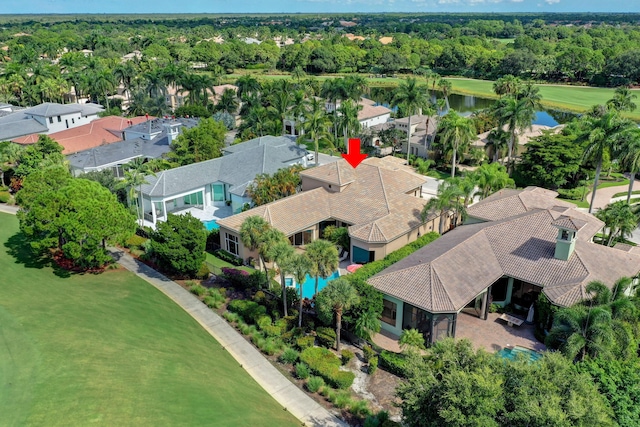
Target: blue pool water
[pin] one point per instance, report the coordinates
(309, 284)
(211, 224)
(512, 353)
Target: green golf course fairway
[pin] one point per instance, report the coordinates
(109, 349)
(572, 98)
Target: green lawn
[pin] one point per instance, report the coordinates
(109, 349)
(219, 263)
(572, 98)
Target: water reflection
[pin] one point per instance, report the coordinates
(467, 104)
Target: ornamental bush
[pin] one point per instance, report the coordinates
(248, 310)
(324, 363)
(305, 342)
(396, 363)
(326, 337)
(314, 384)
(229, 257)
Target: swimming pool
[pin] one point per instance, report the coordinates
(512, 353)
(211, 224)
(309, 283)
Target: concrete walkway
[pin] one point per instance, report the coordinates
(604, 196)
(281, 389)
(9, 209)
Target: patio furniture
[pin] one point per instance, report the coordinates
(353, 267)
(511, 320)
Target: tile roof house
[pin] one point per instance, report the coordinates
(213, 184)
(105, 130)
(519, 243)
(142, 139)
(379, 202)
(46, 118)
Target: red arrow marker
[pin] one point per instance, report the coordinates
(354, 156)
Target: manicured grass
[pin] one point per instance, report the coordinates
(607, 184)
(109, 349)
(219, 263)
(624, 193)
(578, 203)
(572, 98)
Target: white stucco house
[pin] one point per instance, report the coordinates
(217, 188)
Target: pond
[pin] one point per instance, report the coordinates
(467, 104)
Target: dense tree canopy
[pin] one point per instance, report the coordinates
(203, 142)
(178, 245)
(75, 216)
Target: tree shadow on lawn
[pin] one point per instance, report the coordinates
(19, 248)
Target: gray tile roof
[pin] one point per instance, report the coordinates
(17, 124)
(447, 274)
(237, 169)
(50, 109)
(120, 152)
(157, 125)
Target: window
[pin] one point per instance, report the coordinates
(564, 235)
(73, 121)
(51, 120)
(389, 312)
(231, 243)
(302, 238)
(59, 119)
(217, 192)
(193, 199)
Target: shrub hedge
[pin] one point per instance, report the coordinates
(396, 363)
(250, 311)
(325, 364)
(326, 336)
(135, 241)
(229, 257)
(242, 279)
(305, 342)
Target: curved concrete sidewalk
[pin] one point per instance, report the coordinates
(264, 373)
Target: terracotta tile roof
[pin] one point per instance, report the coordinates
(522, 137)
(373, 200)
(101, 131)
(385, 40)
(371, 111)
(472, 257)
(508, 202)
(569, 223)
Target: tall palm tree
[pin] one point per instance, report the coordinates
(456, 133)
(101, 84)
(279, 104)
(445, 87)
(448, 198)
(324, 259)
(603, 131)
(299, 265)
(517, 115)
(247, 84)
(281, 252)
(629, 154)
(228, 102)
(348, 119)
(413, 97)
(315, 123)
(498, 140)
(252, 233)
(156, 85)
(134, 179)
(337, 297)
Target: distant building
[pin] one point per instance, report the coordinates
(46, 118)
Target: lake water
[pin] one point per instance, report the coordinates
(467, 104)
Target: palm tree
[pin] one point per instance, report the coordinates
(348, 119)
(315, 123)
(506, 85)
(279, 104)
(247, 85)
(498, 139)
(134, 178)
(281, 252)
(155, 83)
(298, 73)
(102, 83)
(448, 198)
(445, 87)
(252, 231)
(339, 295)
(619, 218)
(324, 259)
(228, 102)
(630, 156)
(622, 99)
(367, 322)
(517, 115)
(270, 239)
(299, 265)
(456, 133)
(602, 132)
(411, 341)
(413, 97)
(490, 178)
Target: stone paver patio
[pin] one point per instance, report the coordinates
(494, 334)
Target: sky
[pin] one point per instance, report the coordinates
(302, 6)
